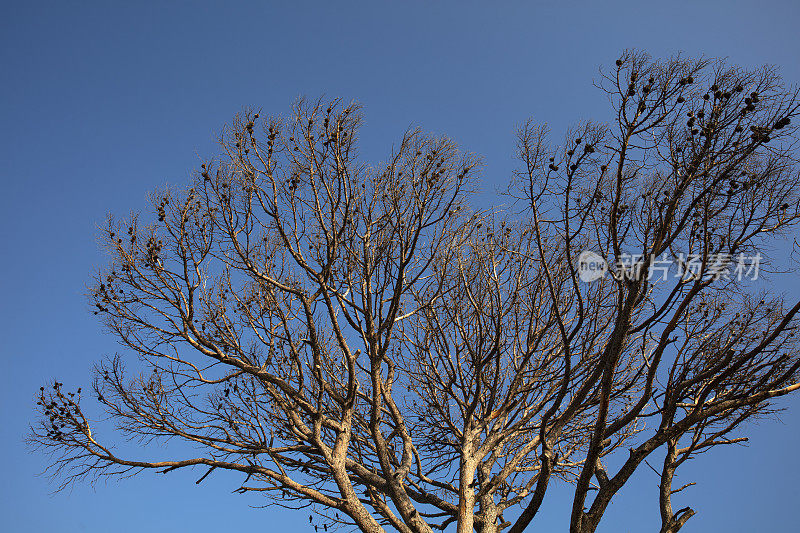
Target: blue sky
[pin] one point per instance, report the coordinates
(101, 103)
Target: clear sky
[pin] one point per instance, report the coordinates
(102, 102)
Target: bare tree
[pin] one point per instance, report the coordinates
(357, 340)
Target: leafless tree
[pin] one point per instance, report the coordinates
(357, 340)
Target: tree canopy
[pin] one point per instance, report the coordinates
(358, 338)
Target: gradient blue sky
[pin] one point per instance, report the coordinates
(102, 102)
